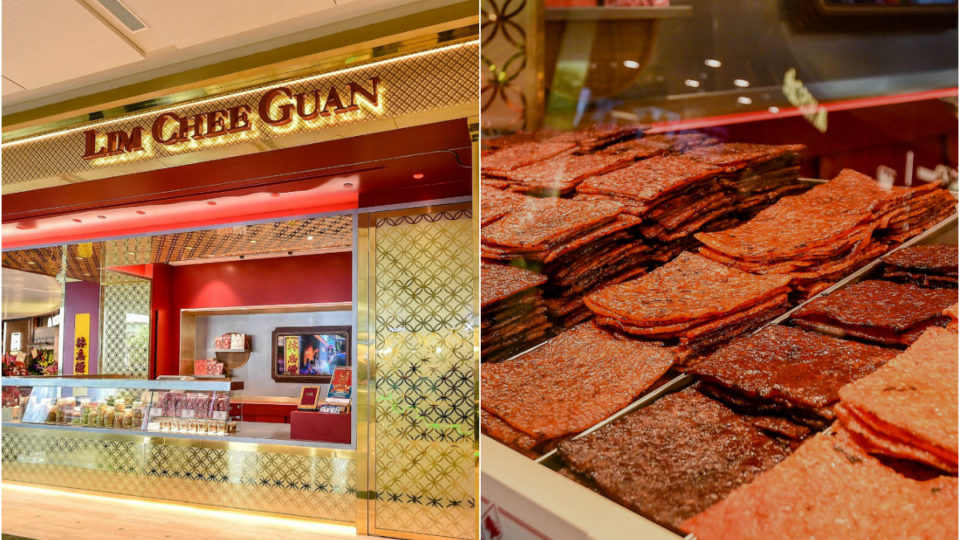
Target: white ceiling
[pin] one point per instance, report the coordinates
(55, 50)
(25, 294)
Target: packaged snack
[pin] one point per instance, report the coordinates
(221, 428)
(231, 427)
(120, 405)
(108, 417)
(128, 419)
(59, 414)
(138, 417)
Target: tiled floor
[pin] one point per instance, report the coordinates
(46, 514)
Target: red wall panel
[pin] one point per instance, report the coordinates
(307, 279)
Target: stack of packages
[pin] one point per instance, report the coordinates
(513, 315)
(878, 311)
(673, 458)
(577, 245)
(696, 302)
(758, 174)
(787, 378)
(819, 236)
(526, 402)
(926, 266)
(907, 409)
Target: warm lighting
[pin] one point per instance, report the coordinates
(744, 100)
(712, 63)
(287, 524)
(773, 109)
(253, 241)
(692, 83)
(309, 238)
(418, 176)
(632, 64)
(742, 83)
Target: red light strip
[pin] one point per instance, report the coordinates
(757, 116)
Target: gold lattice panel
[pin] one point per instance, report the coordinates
(283, 483)
(426, 374)
(125, 320)
(512, 38)
(444, 78)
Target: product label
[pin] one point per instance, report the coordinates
(219, 415)
(156, 411)
(188, 413)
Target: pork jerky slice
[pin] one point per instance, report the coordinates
(650, 179)
(548, 222)
(499, 281)
(563, 173)
(572, 382)
(740, 155)
(879, 443)
(521, 155)
(879, 304)
(673, 458)
(933, 259)
(688, 288)
(802, 368)
(831, 488)
(501, 431)
(914, 396)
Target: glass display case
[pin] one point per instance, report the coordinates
(163, 406)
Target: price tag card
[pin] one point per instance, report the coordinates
(156, 411)
(188, 413)
(219, 415)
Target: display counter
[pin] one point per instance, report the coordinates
(177, 440)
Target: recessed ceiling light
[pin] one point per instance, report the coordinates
(418, 176)
(692, 83)
(744, 100)
(712, 62)
(742, 83)
(773, 109)
(632, 64)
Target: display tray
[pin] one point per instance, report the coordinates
(549, 510)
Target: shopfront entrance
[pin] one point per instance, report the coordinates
(366, 225)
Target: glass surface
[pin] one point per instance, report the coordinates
(721, 57)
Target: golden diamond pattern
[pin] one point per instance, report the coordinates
(125, 316)
(426, 373)
(446, 77)
(302, 485)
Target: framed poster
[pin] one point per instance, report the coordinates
(309, 353)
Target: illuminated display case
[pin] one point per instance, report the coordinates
(167, 406)
(864, 85)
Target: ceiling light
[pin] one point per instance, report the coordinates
(773, 109)
(742, 83)
(309, 238)
(632, 64)
(692, 83)
(712, 62)
(418, 176)
(744, 100)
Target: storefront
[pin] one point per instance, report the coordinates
(221, 261)
(645, 164)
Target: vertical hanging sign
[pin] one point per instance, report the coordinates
(292, 355)
(81, 344)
